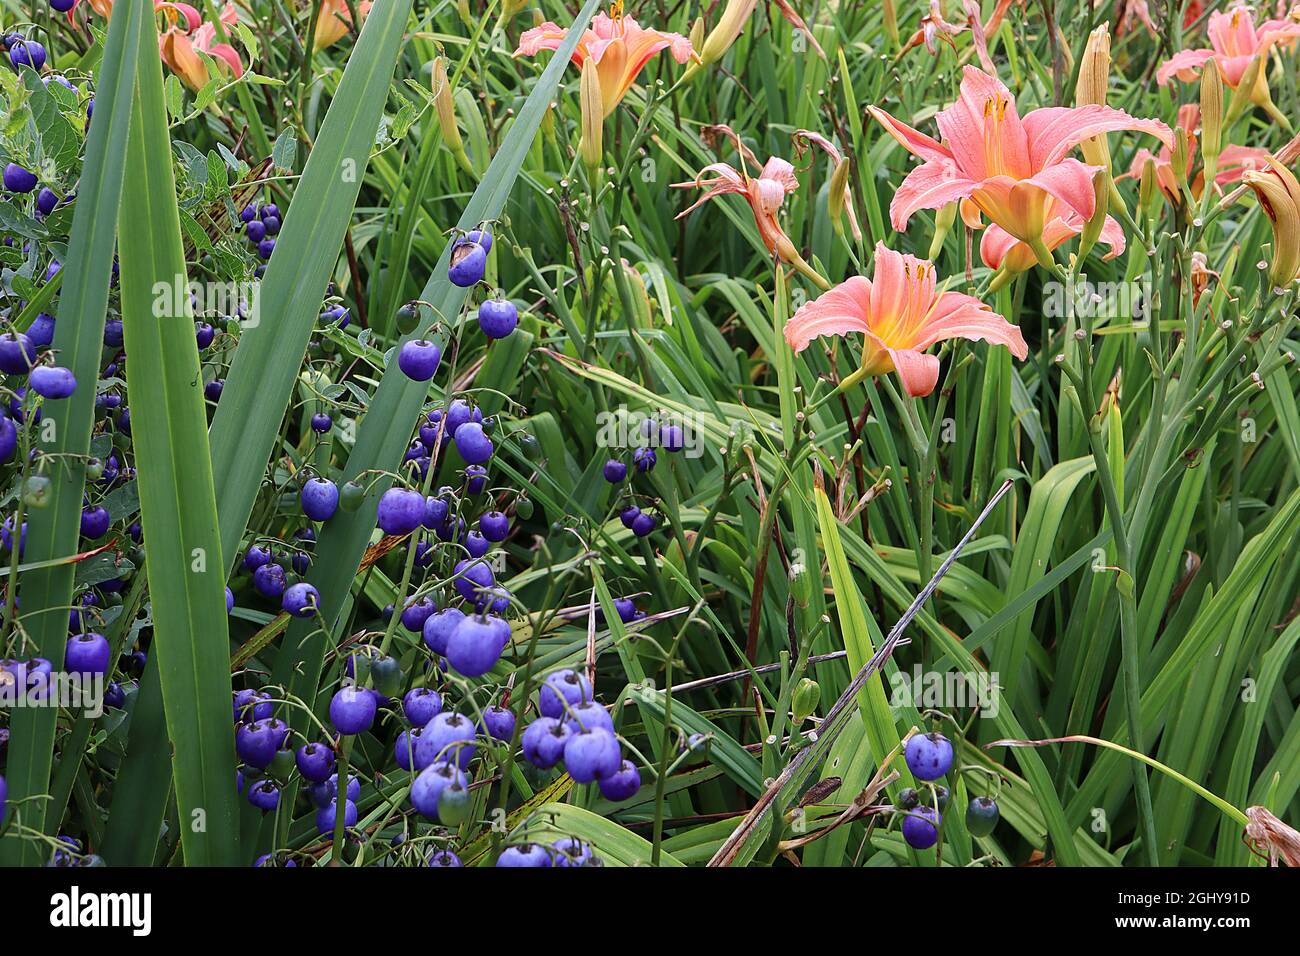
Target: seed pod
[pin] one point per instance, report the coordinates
(805, 699)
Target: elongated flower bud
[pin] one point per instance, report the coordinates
(1149, 188)
(697, 33)
(943, 220)
(1094, 82)
(724, 34)
(592, 145)
(445, 105)
(1279, 195)
(1179, 158)
(890, 17)
(1092, 228)
(837, 193)
(1211, 117)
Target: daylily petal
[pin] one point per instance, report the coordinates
(916, 143)
(1070, 181)
(1182, 64)
(962, 316)
(839, 311)
(919, 372)
(984, 129)
(928, 186)
(1056, 130)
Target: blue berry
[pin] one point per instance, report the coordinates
(255, 557)
(929, 756)
(920, 828)
(497, 318)
(592, 755)
(589, 716)
(474, 647)
(321, 423)
(499, 722)
(269, 581)
(543, 742)
(258, 743)
(468, 263)
(441, 858)
(615, 471)
(95, 522)
(17, 353)
(473, 444)
(204, 334)
(301, 599)
(18, 179)
(421, 705)
(255, 231)
(644, 524)
(401, 511)
(622, 784)
(352, 710)
(252, 705)
(438, 629)
(315, 761)
(572, 852)
(430, 784)
(494, 525)
(524, 855)
(644, 459)
(87, 654)
(27, 53)
(264, 795)
(472, 576)
(418, 359)
(560, 688)
(46, 200)
(320, 499)
(41, 332)
(326, 816)
(450, 737)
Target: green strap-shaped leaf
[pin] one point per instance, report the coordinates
(178, 507)
(384, 432)
(79, 332)
(270, 353)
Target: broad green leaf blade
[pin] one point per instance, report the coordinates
(384, 432)
(177, 501)
(79, 331)
(266, 365)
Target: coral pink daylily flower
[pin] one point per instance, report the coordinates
(1234, 42)
(105, 8)
(1017, 172)
(618, 45)
(181, 48)
(1001, 250)
(765, 195)
(900, 313)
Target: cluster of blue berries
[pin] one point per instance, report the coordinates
(261, 226)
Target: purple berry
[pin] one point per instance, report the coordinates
(560, 688)
(473, 444)
(543, 742)
(421, 705)
(524, 855)
(920, 827)
(592, 755)
(352, 710)
(929, 756)
(301, 599)
(418, 359)
(497, 318)
(52, 381)
(468, 263)
(401, 511)
(315, 761)
(438, 629)
(474, 647)
(18, 179)
(320, 499)
(450, 737)
(87, 654)
(621, 785)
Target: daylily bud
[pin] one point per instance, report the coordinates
(1092, 228)
(943, 220)
(446, 109)
(1179, 157)
(514, 6)
(891, 22)
(807, 694)
(724, 33)
(1149, 188)
(1094, 81)
(592, 145)
(1211, 117)
(1279, 195)
(697, 33)
(445, 105)
(836, 194)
